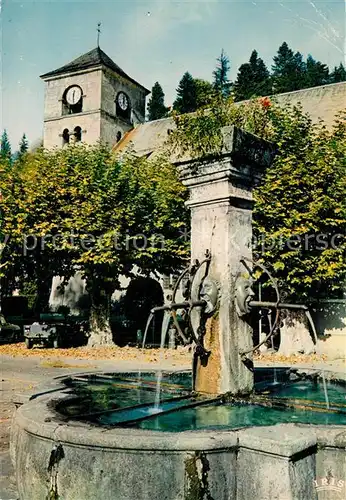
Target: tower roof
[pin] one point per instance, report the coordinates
(95, 57)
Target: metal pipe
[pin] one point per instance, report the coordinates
(179, 305)
(274, 305)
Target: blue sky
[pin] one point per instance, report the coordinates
(152, 40)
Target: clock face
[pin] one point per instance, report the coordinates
(123, 101)
(73, 95)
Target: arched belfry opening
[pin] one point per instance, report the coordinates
(77, 134)
(65, 137)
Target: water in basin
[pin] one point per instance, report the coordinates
(129, 400)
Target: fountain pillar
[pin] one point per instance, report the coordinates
(221, 221)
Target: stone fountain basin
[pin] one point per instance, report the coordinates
(284, 461)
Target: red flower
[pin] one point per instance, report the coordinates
(265, 101)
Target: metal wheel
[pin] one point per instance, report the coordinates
(28, 343)
(257, 264)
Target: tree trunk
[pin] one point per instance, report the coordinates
(295, 336)
(43, 291)
(101, 333)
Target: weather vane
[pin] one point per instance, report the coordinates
(98, 33)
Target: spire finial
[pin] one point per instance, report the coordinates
(98, 33)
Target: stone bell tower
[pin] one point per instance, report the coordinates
(91, 99)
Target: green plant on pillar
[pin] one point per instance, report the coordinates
(200, 134)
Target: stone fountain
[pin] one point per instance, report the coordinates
(129, 436)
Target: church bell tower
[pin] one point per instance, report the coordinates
(91, 99)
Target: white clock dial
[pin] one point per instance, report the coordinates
(73, 95)
(123, 101)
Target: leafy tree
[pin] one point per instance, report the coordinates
(300, 210)
(30, 207)
(316, 73)
(288, 70)
(156, 104)
(205, 92)
(338, 74)
(253, 79)
(220, 74)
(186, 100)
(5, 150)
(86, 209)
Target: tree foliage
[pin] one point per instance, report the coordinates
(205, 93)
(199, 135)
(253, 79)
(186, 101)
(316, 73)
(156, 104)
(23, 145)
(300, 210)
(5, 148)
(338, 74)
(288, 70)
(83, 208)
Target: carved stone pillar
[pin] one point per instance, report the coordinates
(221, 221)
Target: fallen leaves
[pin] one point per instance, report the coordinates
(55, 358)
(180, 356)
(273, 358)
(57, 363)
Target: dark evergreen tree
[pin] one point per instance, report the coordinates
(23, 145)
(253, 79)
(261, 73)
(156, 104)
(186, 100)
(5, 149)
(220, 74)
(338, 74)
(243, 86)
(288, 70)
(316, 73)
